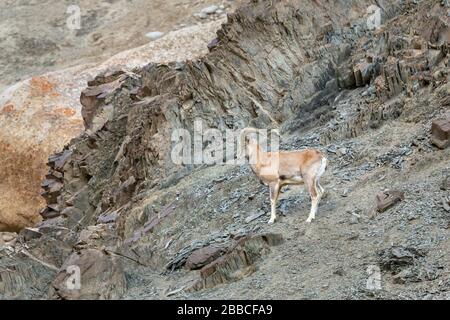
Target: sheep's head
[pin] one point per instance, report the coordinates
(252, 138)
(248, 141)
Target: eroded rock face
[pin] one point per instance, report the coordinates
(41, 115)
(101, 276)
(239, 261)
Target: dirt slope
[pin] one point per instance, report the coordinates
(36, 39)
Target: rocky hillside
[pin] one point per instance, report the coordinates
(139, 226)
(39, 115)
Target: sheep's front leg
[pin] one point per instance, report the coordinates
(274, 192)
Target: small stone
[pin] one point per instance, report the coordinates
(438, 75)
(214, 43)
(30, 233)
(154, 35)
(354, 220)
(210, 10)
(411, 217)
(387, 199)
(201, 15)
(254, 216)
(107, 217)
(339, 271)
(397, 257)
(7, 236)
(446, 204)
(341, 151)
(202, 257)
(440, 133)
(434, 57)
(446, 184)
(49, 213)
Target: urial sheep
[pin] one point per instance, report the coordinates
(280, 168)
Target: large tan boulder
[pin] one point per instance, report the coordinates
(42, 114)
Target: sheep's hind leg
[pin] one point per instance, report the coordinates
(316, 194)
(274, 192)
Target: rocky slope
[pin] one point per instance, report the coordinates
(40, 115)
(139, 226)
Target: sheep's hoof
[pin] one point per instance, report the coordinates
(271, 221)
(309, 220)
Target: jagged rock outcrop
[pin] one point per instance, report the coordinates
(101, 274)
(39, 116)
(440, 130)
(238, 262)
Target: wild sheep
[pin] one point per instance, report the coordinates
(277, 169)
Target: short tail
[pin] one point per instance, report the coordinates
(320, 172)
(323, 166)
